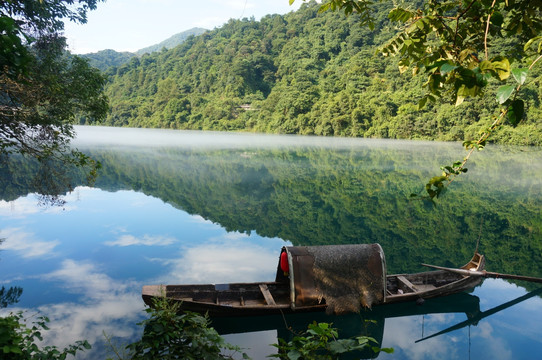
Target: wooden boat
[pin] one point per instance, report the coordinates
(335, 278)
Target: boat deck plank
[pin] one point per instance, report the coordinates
(267, 295)
(425, 287)
(406, 284)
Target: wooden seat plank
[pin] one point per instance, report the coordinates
(267, 295)
(407, 284)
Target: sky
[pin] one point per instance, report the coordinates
(130, 25)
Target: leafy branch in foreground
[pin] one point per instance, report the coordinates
(453, 44)
(320, 342)
(512, 112)
(169, 334)
(18, 340)
(42, 87)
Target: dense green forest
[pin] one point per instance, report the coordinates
(108, 58)
(300, 73)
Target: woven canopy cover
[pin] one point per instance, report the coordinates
(347, 277)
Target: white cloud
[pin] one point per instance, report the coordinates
(28, 205)
(116, 316)
(25, 243)
(255, 344)
(442, 347)
(109, 306)
(200, 219)
(496, 347)
(231, 236)
(147, 240)
(17, 208)
(485, 330)
(230, 258)
(223, 263)
(83, 277)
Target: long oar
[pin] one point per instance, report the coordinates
(486, 274)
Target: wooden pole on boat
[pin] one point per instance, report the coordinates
(486, 274)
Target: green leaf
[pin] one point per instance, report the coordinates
(502, 67)
(437, 180)
(422, 102)
(291, 2)
(468, 144)
(515, 112)
(530, 42)
(294, 354)
(504, 93)
(341, 347)
(465, 91)
(520, 75)
(401, 15)
(447, 67)
(486, 66)
(497, 19)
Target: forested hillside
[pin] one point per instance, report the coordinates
(105, 59)
(300, 73)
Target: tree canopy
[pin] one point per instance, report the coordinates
(42, 87)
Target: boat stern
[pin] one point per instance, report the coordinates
(150, 292)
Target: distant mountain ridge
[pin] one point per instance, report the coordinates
(107, 58)
(172, 41)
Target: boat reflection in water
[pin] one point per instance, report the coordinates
(474, 320)
(369, 322)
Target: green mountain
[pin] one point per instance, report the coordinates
(108, 58)
(105, 59)
(173, 41)
(300, 73)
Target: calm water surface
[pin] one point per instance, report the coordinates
(192, 207)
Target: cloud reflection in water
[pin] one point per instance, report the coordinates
(106, 305)
(84, 267)
(26, 244)
(229, 259)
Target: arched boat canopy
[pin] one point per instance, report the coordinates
(347, 277)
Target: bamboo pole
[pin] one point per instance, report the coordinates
(486, 274)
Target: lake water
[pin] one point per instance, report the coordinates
(202, 207)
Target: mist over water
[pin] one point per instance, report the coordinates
(204, 207)
(114, 136)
